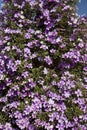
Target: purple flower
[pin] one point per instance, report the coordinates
(28, 35)
(25, 74)
(32, 84)
(1, 42)
(43, 65)
(44, 47)
(48, 60)
(59, 39)
(22, 123)
(52, 51)
(7, 126)
(78, 93)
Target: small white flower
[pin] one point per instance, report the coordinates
(20, 25)
(41, 42)
(8, 43)
(21, 12)
(45, 71)
(50, 127)
(80, 40)
(2, 77)
(44, 47)
(21, 16)
(75, 21)
(37, 32)
(58, 39)
(51, 102)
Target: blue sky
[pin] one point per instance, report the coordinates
(0, 3)
(82, 7)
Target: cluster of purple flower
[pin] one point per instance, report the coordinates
(43, 66)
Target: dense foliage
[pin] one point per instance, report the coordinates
(43, 66)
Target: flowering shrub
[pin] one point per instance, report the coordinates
(43, 66)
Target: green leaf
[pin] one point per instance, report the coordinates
(22, 106)
(3, 117)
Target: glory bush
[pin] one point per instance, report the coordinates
(43, 66)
